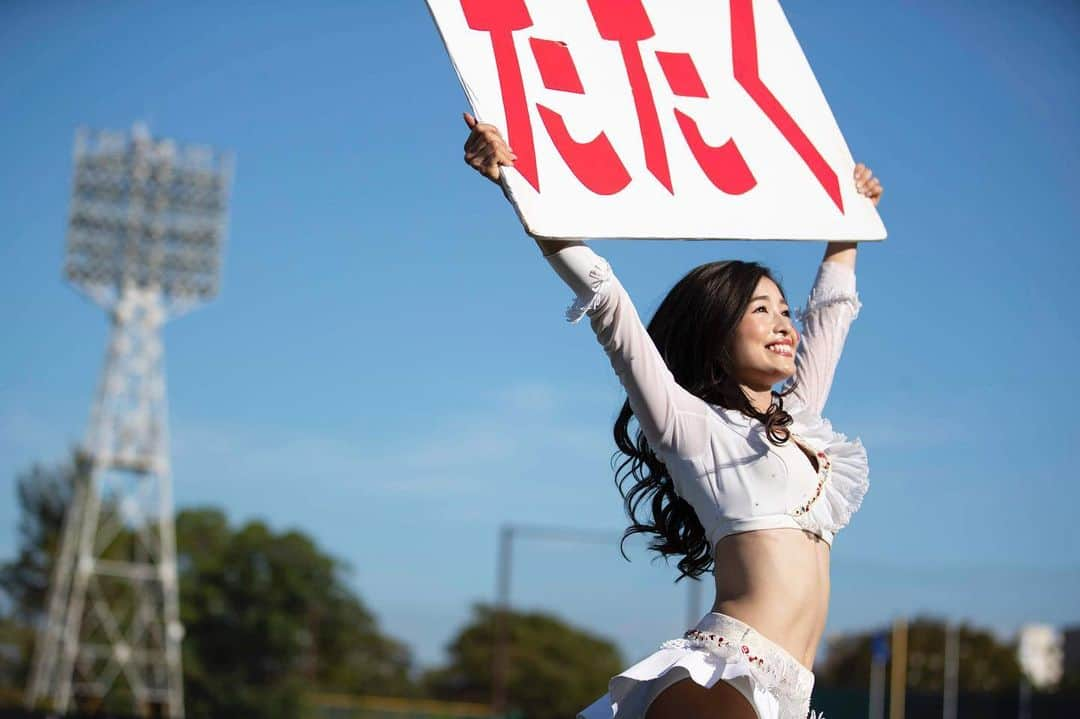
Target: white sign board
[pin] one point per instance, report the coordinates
(657, 118)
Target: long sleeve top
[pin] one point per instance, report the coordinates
(721, 461)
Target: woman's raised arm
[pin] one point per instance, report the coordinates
(844, 252)
(672, 419)
(486, 150)
(832, 306)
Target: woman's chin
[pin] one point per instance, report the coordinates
(785, 374)
(770, 376)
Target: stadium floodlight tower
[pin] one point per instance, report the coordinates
(144, 241)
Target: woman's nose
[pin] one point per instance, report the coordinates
(786, 327)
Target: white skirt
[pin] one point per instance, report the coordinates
(719, 648)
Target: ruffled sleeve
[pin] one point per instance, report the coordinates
(848, 476)
(673, 420)
(829, 312)
(587, 274)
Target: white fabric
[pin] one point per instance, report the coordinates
(773, 681)
(721, 461)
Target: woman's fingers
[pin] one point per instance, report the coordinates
(477, 142)
(874, 190)
(485, 148)
(490, 166)
(863, 175)
(490, 132)
(487, 160)
(497, 156)
(487, 145)
(480, 139)
(476, 139)
(503, 157)
(866, 184)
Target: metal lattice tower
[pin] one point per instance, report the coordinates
(144, 241)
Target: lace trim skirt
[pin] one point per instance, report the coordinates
(719, 648)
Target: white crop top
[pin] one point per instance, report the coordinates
(720, 461)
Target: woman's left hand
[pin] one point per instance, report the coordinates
(867, 184)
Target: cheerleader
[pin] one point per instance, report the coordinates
(723, 471)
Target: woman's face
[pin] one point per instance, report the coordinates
(765, 339)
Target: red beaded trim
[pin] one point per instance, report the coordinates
(718, 639)
(823, 472)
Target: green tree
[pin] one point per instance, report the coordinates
(555, 669)
(43, 494)
(985, 663)
(268, 616)
(16, 641)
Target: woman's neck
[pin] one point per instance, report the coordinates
(760, 399)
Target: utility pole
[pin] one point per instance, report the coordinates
(1024, 708)
(879, 657)
(898, 687)
(693, 601)
(952, 672)
(501, 653)
(500, 670)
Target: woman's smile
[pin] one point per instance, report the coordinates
(782, 348)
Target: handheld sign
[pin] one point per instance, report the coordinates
(656, 118)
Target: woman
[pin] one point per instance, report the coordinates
(725, 472)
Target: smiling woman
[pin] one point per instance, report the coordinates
(724, 471)
(717, 331)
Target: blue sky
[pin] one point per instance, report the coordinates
(387, 367)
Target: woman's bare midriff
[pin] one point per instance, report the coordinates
(777, 581)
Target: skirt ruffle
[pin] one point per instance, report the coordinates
(770, 678)
(630, 693)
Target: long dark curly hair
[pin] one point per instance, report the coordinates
(693, 329)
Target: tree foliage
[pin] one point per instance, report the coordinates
(44, 494)
(985, 663)
(268, 615)
(555, 670)
(16, 640)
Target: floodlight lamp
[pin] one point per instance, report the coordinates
(147, 215)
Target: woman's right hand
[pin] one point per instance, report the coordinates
(486, 149)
